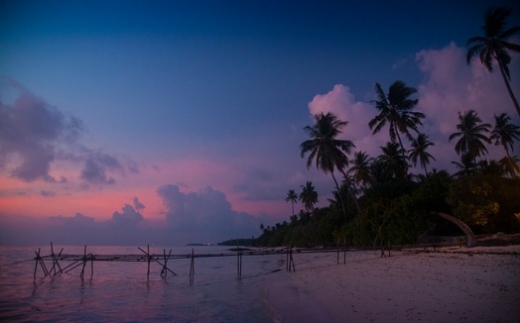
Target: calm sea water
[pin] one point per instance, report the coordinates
(121, 292)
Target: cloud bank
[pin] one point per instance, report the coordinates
(204, 216)
(35, 135)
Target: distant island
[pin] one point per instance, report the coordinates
(197, 244)
(251, 242)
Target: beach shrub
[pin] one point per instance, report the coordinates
(487, 203)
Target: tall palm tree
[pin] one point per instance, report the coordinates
(329, 152)
(418, 151)
(308, 196)
(472, 137)
(505, 133)
(494, 45)
(396, 110)
(393, 159)
(293, 198)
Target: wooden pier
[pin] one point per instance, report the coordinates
(59, 263)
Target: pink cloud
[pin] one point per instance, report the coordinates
(341, 102)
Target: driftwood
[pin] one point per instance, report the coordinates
(471, 240)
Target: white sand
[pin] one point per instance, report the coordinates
(407, 287)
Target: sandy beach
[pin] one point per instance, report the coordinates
(410, 286)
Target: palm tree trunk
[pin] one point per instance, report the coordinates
(504, 76)
(425, 170)
(351, 191)
(339, 194)
(402, 151)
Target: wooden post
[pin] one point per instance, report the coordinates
(287, 259)
(39, 260)
(192, 267)
(36, 262)
(84, 262)
(150, 257)
(290, 266)
(148, 253)
(165, 269)
(239, 264)
(91, 266)
(344, 256)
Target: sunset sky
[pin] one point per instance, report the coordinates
(168, 122)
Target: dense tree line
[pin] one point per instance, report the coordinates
(378, 198)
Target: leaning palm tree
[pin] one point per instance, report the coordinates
(472, 137)
(505, 133)
(395, 108)
(360, 169)
(419, 153)
(308, 196)
(328, 152)
(293, 198)
(494, 45)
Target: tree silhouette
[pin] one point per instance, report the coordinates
(325, 149)
(308, 196)
(396, 110)
(419, 153)
(471, 133)
(360, 169)
(293, 198)
(393, 160)
(494, 45)
(505, 133)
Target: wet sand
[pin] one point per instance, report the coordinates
(410, 286)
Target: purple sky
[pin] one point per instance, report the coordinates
(133, 122)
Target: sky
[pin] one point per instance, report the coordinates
(170, 122)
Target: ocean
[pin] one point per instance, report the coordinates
(121, 292)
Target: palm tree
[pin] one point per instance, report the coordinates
(308, 196)
(467, 165)
(505, 133)
(494, 45)
(418, 151)
(471, 129)
(360, 170)
(485, 167)
(396, 110)
(329, 152)
(378, 171)
(393, 160)
(292, 197)
(510, 165)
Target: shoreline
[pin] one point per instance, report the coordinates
(453, 284)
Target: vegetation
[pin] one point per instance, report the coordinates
(379, 199)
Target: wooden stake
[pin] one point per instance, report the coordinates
(192, 267)
(84, 262)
